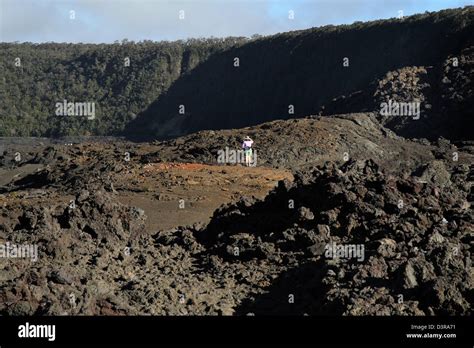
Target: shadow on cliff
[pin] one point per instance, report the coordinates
(298, 71)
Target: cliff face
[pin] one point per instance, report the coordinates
(303, 71)
(120, 79)
(175, 88)
(444, 93)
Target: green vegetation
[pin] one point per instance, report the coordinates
(301, 68)
(50, 73)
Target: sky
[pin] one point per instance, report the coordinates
(105, 21)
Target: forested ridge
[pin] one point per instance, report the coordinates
(174, 88)
(121, 79)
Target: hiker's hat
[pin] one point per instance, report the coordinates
(247, 138)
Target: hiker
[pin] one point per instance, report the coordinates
(247, 146)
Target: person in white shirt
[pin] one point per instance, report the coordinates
(247, 146)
